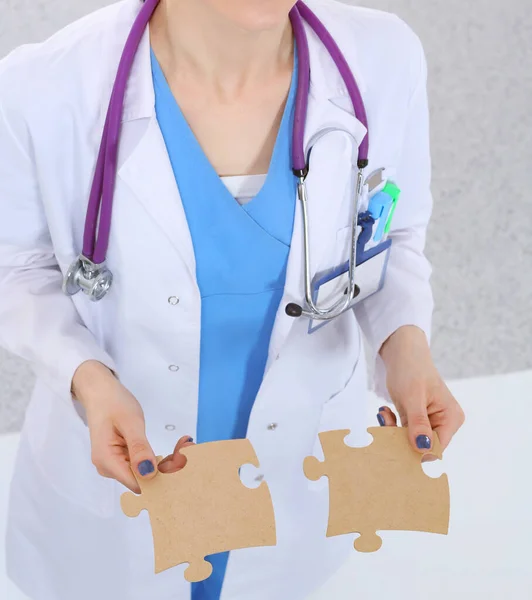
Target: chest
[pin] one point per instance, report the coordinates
(237, 131)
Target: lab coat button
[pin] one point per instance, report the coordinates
(272, 426)
(173, 300)
(173, 368)
(259, 478)
(169, 427)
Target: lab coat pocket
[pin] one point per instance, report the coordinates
(61, 446)
(371, 267)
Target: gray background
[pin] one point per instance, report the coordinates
(480, 242)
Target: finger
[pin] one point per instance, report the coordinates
(121, 471)
(141, 455)
(429, 458)
(184, 441)
(386, 417)
(110, 456)
(419, 427)
(450, 422)
(176, 461)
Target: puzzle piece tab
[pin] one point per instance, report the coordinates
(380, 487)
(204, 509)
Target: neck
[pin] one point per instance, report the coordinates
(189, 36)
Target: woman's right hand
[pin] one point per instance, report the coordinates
(117, 428)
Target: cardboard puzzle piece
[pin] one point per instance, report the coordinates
(204, 509)
(380, 487)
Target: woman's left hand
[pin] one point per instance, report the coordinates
(423, 401)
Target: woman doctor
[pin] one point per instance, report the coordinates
(193, 340)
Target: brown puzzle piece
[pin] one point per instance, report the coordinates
(204, 509)
(380, 487)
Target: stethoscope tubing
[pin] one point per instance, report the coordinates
(302, 11)
(89, 271)
(100, 207)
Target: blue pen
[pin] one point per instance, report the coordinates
(379, 207)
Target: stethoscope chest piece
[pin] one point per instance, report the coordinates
(92, 279)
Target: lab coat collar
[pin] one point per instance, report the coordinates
(139, 101)
(326, 82)
(325, 78)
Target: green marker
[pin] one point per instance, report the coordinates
(394, 192)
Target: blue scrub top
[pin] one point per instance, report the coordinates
(241, 258)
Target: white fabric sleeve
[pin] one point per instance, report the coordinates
(37, 321)
(406, 298)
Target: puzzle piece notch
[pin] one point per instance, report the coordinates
(381, 486)
(315, 469)
(204, 509)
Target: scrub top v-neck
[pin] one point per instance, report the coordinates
(241, 253)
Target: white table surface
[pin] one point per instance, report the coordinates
(488, 553)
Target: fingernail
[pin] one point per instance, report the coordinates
(146, 467)
(423, 442)
(190, 439)
(382, 408)
(381, 420)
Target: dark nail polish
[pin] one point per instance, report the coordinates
(423, 442)
(190, 439)
(146, 467)
(381, 420)
(382, 408)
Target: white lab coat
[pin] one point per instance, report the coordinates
(67, 538)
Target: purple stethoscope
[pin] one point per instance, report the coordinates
(89, 272)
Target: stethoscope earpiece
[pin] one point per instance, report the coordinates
(294, 310)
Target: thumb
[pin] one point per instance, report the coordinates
(141, 456)
(419, 429)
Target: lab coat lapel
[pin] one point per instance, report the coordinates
(149, 176)
(144, 164)
(330, 183)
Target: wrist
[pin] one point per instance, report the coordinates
(406, 342)
(90, 380)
